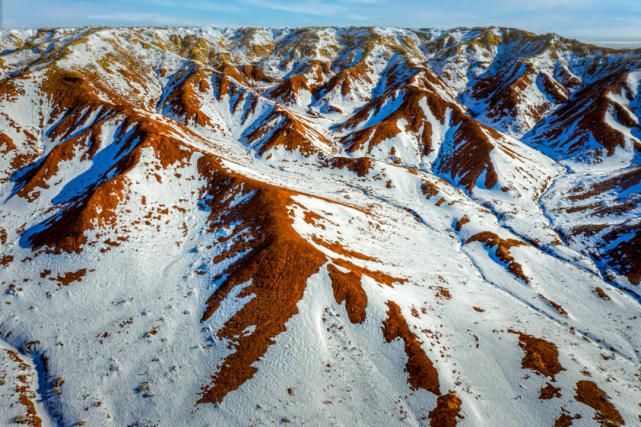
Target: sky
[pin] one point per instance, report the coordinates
(615, 22)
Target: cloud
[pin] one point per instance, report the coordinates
(150, 19)
(192, 5)
(141, 18)
(316, 8)
(357, 17)
(365, 2)
(583, 19)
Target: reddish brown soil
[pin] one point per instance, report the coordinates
(420, 369)
(361, 166)
(586, 116)
(621, 181)
(502, 91)
(72, 93)
(549, 392)
(312, 218)
(461, 222)
(184, 101)
(380, 277)
(429, 189)
(410, 111)
(71, 277)
(566, 420)
(66, 233)
(9, 90)
(64, 151)
(447, 411)
(566, 78)
(414, 89)
(601, 293)
(625, 257)
(588, 229)
(227, 81)
(558, 307)
(472, 155)
(6, 144)
(541, 356)
(289, 89)
(442, 292)
(345, 78)
(503, 246)
(25, 393)
(279, 262)
(347, 287)
(230, 81)
(289, 133)
(339, 249)
(277, 267)
(254, 73)
(590, 394)
(553, 89)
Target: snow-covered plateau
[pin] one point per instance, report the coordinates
(318, 227)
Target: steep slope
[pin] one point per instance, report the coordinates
(511, 79)
(598, 124)
(600, 215)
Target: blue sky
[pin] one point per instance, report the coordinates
(592, 20)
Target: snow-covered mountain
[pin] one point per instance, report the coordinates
(318, 226)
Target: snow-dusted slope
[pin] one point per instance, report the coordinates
(318, 226)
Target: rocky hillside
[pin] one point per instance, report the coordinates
(318, 226)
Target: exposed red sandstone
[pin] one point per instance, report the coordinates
(420, 369)
(588, 393)
(347, 288)
(447, 411)
(502, 247)
(540, 356)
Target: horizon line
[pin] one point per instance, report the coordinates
(596, 42)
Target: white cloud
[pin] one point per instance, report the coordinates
(583, 19)
(316, 8)
(219, 7)
(144, 19)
